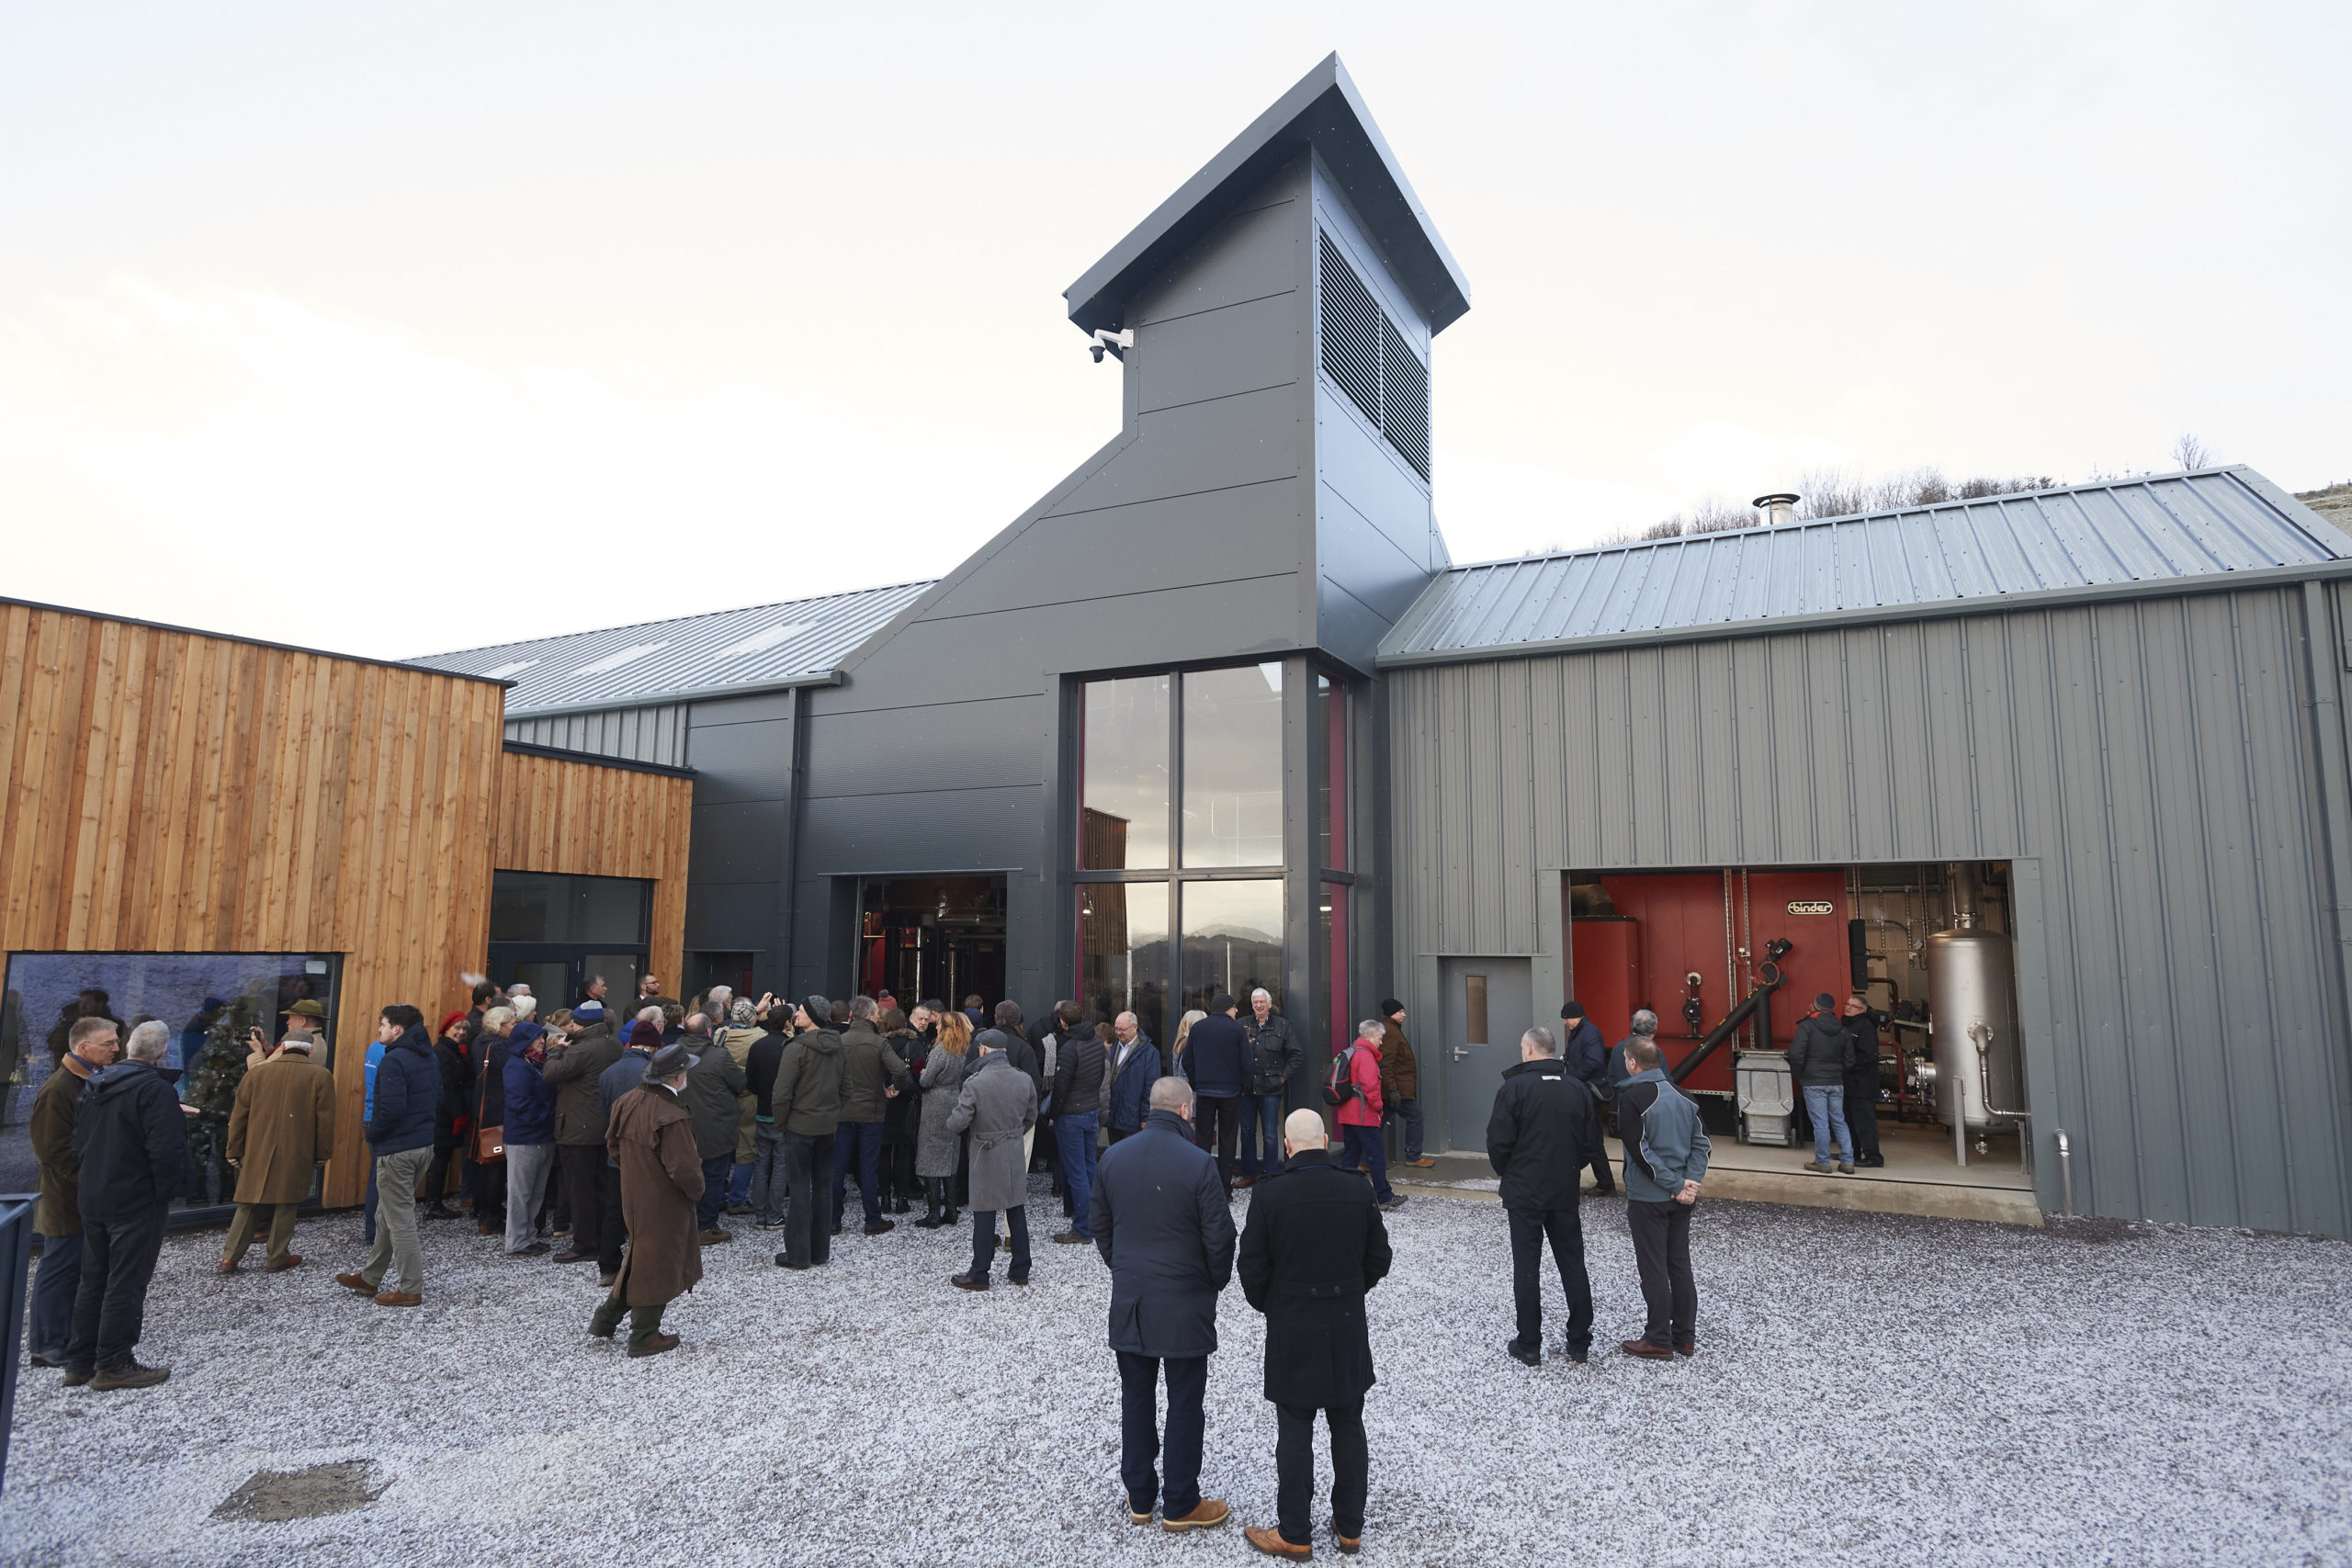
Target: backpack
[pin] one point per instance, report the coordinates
(1341, 1087)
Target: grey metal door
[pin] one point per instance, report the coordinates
(1487, 1006)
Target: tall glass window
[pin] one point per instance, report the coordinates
(1331, 933)
(1123, 775)
(1233, 940)
(1331, 795)
(1233, 766)
(537, 905)
(1122, 952)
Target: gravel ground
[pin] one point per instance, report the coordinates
(1871, 1389)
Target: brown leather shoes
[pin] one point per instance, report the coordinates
(1646, 1350)
(355, 1283)
(1271, 1543)
(399, 1298)
(653, 1345)
(226, 1265)
(1207, 1513)
(291, 1260)
(1349, 1544)
(1686, 1346)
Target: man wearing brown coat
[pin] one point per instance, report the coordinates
(91, 1044)
(281, 1127)
(651, 1138)
(1400, 1082)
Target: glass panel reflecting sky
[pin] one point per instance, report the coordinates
(1233, 767)
(1233, 939)
(1123, 777)
(1122, 952)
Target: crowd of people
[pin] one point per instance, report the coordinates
(626, 1134)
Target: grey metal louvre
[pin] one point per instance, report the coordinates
(1351, 325)
(654, 662)
(2125, 537)
(1404, 399)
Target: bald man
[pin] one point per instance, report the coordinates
(1313, 1244)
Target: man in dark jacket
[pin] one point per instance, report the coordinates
(1861, 1080)
(91, 1046)
(806, 1101)
(1666, 1159)
(1078, 1085)
(572, 1069)
(768, 1185)
(1274, 1059)
(400, 1140)
(1314, 1246)
(1400, 1083)
(1132, 1068)
(1817, 1058)
(1217, 1061)
(872, 1075)
(1545, 1129)
(1162, 1221)
(1587, 1057)
(713, 1086)
(130, 1139)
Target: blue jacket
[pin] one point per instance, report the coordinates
(617, 1080)
(1585, 1052)
(1160, 1219)
(1131, 1089)
(1217, 1057)
(530, 1102)
(367, 1100)
(1670, 1149)
(407, 1094)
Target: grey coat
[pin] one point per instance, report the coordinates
(943, 1081)
(998, 1103)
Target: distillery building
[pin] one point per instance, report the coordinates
(2056, 781)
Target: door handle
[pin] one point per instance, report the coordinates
(1460, 1051)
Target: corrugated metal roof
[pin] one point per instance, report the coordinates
(2084, 539)
(763, 646)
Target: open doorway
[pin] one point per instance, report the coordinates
(941, 937)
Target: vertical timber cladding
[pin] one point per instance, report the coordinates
(168, 791)
(2147, 765)
(586, 819)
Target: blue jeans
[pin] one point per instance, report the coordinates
(767, 1174)
(714, 1171)
(1074, 1140)
(1016, 1222)
(1361, 1146)
(1825, 1103)
(1408, 1118)
(738, 1184)
(1179, 1490)
(858, 1142)
(1261, 1134)
(53, 1290)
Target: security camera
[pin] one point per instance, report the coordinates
(1114, 343)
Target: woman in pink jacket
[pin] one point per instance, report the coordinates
(1358, 1113)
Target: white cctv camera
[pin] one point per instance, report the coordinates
(1115, 344)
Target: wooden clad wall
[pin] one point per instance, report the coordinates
(167, 791)
(586, 819)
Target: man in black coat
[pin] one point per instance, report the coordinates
(1314, 1246)
(1217, 1059)
(1161, 1220)
(1544, 1131)
(1861, 1080)
(1587, 1056)
(131, 1140)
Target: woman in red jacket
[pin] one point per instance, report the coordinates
(1360, 1108)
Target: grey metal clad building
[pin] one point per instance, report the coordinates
(1218, 712)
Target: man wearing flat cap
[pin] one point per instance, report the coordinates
(807, 1103)
(652, 1139)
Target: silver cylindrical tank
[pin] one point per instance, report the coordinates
(1971, 976)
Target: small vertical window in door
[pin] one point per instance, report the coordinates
(1473, 1009)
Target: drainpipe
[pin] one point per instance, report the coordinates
(2065, 1171)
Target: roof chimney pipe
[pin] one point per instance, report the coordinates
(1779, 508)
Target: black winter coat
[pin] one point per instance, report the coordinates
(1078, 1072)
(1314, 1246)
(408, 1090)
(1161, 1220)
(1817, 1055)
(1274, 1056)
(131, 1140)
(1216, 1057)
(454, 1080)
(1585, 1052)
(1544, 1131)
(488, 1095)
(1861, 1056)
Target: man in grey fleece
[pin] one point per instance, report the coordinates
(1666, 1158)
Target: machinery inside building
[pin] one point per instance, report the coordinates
(932, 936)
(1731, 959)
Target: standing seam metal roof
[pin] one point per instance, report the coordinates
(2084, 538)
(800, 641)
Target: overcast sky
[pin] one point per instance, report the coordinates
(483, 322)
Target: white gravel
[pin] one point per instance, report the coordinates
(1871, 1389)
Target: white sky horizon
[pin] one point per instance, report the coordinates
(491, 325)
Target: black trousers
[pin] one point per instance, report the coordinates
(1662, 1253)
(436, 1174)
(1861, 1113)
(1529, 1230)
(582, 1168)
(1140, 1445)
(1295, 1470)
(118, 1260)
(1216, 1121)
(808, 1223)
